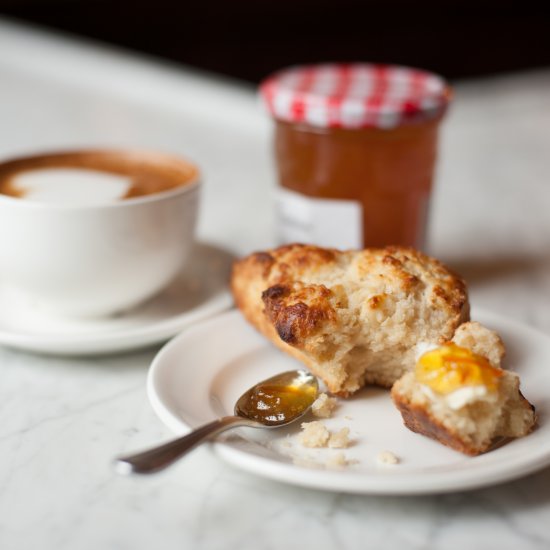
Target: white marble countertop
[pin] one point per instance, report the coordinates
(63, 419)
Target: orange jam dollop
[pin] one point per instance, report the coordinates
(273, 404)
(451, 367)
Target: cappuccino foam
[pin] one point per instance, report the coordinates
(93, 177)
(71, 186)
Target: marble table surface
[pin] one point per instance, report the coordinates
(63, 419)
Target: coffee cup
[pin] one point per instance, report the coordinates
(95, 232)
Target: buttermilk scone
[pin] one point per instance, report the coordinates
(351, 317)
(459, 395)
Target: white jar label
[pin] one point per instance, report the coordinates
(324, 222)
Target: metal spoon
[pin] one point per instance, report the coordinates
(273, 403)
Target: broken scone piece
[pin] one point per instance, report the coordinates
(352, 317)
(459, 395)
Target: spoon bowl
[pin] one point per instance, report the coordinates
(272, 403)
(279, 400)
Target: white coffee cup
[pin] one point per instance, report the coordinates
(97, 259)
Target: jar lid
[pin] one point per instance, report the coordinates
(355, 95)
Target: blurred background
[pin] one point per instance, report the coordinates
(248, 39)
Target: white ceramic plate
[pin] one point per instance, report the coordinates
(200, 291)
(200, 374)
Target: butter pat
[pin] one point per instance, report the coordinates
(422, 348)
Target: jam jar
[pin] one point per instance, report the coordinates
(355, 149)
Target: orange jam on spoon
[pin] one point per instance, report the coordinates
(451, 367)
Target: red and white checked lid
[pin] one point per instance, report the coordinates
(355, 95)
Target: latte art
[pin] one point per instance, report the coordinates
(68, 186)
(93, 177)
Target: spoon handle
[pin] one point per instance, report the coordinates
(160, 457)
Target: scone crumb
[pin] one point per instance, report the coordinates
(387, 458)
(314, 434)
(337, 460)
(339, 440)
(324, 406)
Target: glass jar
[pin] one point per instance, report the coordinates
(355, 149)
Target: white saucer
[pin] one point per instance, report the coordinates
(200, 374)
(200, 291)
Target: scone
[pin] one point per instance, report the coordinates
(351, 317)
(459, 395)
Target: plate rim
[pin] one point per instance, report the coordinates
(346, 480)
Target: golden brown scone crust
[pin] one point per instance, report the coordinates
(419, 420)
(352, 317)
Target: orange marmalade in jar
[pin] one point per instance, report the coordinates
(355, 148)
